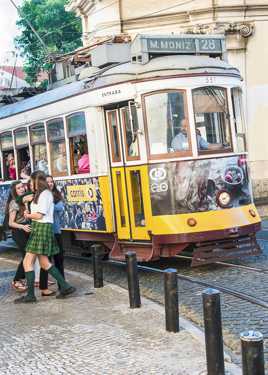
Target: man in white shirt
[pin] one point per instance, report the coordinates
(180, 141)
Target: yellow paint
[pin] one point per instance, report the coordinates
(206, 221)
(105, 189)
(120, 203)
(81, 193)
(136, 209)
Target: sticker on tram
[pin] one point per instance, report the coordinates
(195, 185)
(83, 204)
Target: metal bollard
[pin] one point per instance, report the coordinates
(97, 266)
(133, 280)
(213, 332)
(171, 300)
(252, 353)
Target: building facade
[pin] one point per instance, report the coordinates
(243, 22)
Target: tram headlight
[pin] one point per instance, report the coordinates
(223, 199)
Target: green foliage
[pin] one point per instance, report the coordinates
(60, 31)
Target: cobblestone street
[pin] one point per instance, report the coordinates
(90, 334)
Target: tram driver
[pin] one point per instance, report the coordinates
(180, 141)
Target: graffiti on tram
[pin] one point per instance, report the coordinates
(4, 193)
(194, 186)
(83, 204)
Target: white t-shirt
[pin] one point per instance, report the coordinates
(45, 206)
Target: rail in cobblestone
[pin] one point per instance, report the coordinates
(251, 341)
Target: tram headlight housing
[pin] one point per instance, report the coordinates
(223, 198)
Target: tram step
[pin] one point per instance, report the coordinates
(214, 251)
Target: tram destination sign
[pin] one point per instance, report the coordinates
(145, 46)
(184, 45)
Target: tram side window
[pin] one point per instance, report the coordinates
(211, 119)
(23, 153)
(9, 167)
(167, 123)
(57, 147)
(130, 125)
(76, 125)
(39, 148)
(239, 119)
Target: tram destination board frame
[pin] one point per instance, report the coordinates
(145, 46)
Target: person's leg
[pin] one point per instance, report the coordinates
(21, 238)
(59, 258)
(43, 283)
(37, 272)
(28, 265)
(65, 288)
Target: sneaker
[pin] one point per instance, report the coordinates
(66, 292)
(26, 299)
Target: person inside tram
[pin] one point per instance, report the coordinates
(180, 141)
(11, 167)
(83, 161)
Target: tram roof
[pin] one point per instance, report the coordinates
(159, 66)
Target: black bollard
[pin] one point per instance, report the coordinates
(97, 266)
(171, 300)
(252, 353)
(213, 332)
(133, 280)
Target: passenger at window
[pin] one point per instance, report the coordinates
(180, 141)
(83, 162)
(12, 175)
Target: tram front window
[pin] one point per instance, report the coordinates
(167, 123)
(211, 119)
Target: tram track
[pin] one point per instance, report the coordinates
(241, 295)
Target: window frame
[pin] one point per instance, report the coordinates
(243, 119)
(167, 155)
(70, 143)
(57, 139)
(115, 159)
(221, 150)
(123, 123)
(7, 150)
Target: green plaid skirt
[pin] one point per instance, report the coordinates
(42, 240)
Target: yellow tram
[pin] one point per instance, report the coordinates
(162, 137)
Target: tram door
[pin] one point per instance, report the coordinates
(129, 174)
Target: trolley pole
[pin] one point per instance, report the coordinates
(133, 280)
(252, 353)
(97, 266)
(213, 332)
(171, 300)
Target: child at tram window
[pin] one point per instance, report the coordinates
(41, 243)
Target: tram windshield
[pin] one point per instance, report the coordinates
(167, 123)
(211, 119)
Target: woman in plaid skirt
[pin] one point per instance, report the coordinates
(42, 242)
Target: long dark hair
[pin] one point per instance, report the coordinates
(56, 193)
(39, 181)
(12, 196)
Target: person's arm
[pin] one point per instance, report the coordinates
(59, 206)
(33, 216)
(12, 223)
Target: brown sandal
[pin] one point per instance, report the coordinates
(18, 286)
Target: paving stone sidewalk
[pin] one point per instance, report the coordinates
(92, 334)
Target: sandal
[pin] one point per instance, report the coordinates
(18, 286)
(52, 293)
